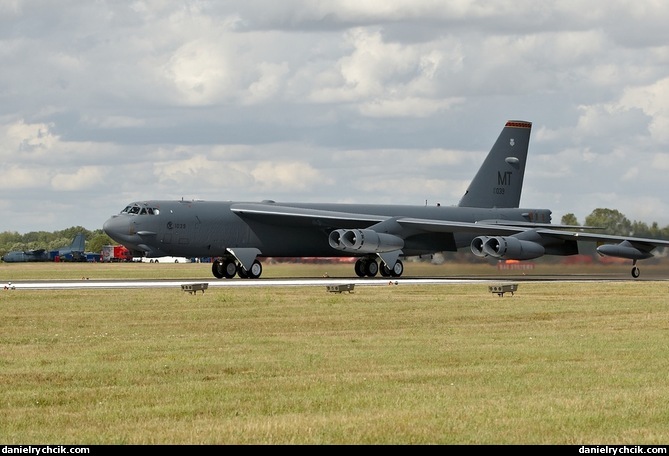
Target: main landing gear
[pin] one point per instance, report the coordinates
(635, 271)
(366, 267)
(228, 268)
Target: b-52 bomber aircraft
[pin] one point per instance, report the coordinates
(488, 219)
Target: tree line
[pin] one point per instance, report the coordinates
(610, 221)
(11, 240)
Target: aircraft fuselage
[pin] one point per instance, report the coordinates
(209, 228)
(21, 257)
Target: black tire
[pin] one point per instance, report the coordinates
(217, 269)
(398, 269)
(241, 272)
(229, 269)
(385, 270)
(371, 268)
(256, 270)
(360, 268)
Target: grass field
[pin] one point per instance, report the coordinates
(556, 363)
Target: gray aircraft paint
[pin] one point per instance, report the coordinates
(488, 219)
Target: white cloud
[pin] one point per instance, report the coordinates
(80, 179)
(651, 99)
(282, 177)
(18, 138)
(406, 107)
(202, 73)
(15, 178)
(270, 81)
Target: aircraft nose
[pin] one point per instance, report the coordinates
(116, 228)
(109, 226)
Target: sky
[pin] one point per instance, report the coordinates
(103, 103)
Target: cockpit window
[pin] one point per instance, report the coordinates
(136, 209)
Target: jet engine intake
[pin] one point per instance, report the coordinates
(364, 241)
(477, 246)
(506, 248)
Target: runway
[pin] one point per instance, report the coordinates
(177, 283)
(124, 284)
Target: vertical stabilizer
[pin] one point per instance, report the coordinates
(499, 180)
(78, 244)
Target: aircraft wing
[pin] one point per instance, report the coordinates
(490, 228)
(543, 233)
(287, 215)
(603, 238)
(526, 241)
(294, 216)
(544, 230)
(281, 214)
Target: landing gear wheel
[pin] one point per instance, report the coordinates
(635, 272)
(385, 270)
(256, 270)
(398, 269)
(360, 268)
(217, 269)
(229, 269)
(366, 268)
(371, 268)
(241, 272)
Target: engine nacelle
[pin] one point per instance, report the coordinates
(364, 241)
(506, 248)
(477, 246)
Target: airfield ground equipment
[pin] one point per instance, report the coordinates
(341, 288)
(193, 288)
(502, 288)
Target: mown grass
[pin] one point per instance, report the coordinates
(557, 363)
